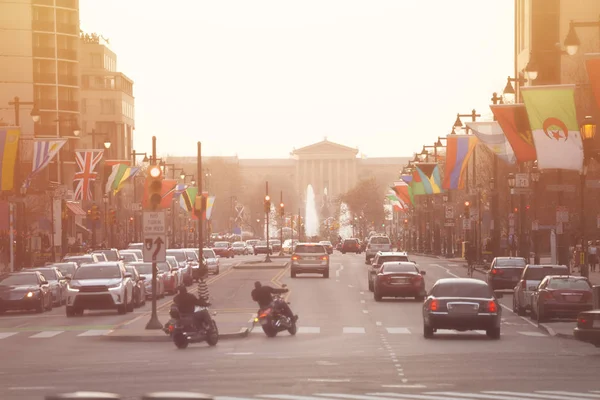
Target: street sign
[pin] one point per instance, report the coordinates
(522, 180)
(562, 214)
(520, 191)
(155, 241)
(466, 224)
(449, 212)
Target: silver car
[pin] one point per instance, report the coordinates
(530, 280)
(58, 284)
(375, 245)
(212, 261)
(310, 258)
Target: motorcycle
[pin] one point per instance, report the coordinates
(183, 330)
(273, 321)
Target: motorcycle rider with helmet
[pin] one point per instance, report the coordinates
(263, 295)
(187, 302)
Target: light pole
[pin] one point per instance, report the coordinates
(535, 177)
(145, 161)
(105, 201)
(511, 184)
(267, 204)
(281, 222)
(588, 133)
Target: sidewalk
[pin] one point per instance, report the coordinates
(231, 325)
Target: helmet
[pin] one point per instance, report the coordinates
(182, 289)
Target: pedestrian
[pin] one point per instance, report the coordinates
(203, 292)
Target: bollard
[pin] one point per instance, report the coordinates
(176, 396)
(596, 297)
(84, 396)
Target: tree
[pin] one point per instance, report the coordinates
(366, 200)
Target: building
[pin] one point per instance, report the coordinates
(107, 102)
(39, 42)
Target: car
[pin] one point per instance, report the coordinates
(184, 264)
(379, 259)
(135, 246)
(462, 304)
(375, 245)
(530, 279)
(350, 246)
(138, 252)
(82, 259)
(139, 287)
(288, 246)
(57, 282)
(67, 269)
(275, 245)
(328, 246)
(262, 248)
(25, 291)
(129, 257)
(505, 272)
(145, 270)
(561, 296)
(172, 261)
(111, 254)
(310, 258)
(212, 261)
(101, 286)
(239, 249)
(399, 279)
(223, 249)
(588, 327)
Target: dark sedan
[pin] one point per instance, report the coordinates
(462, 304)
(588, 327)
(25, 291)
(505, 272)
(399, 279)
(561, 296)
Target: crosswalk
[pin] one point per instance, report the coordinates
(54, 333)
(398, 330)
(448, 395)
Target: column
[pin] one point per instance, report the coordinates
(330, 177)
(339, 177)
(298, 177)
(347, 172)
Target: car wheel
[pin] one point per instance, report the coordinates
(122, 308)
(427, 332)
(70, 312)
(50, 303)
(370, 285)
(326, 274)
(493, 333)
(40, 307)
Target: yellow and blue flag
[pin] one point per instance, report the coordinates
(9, 147)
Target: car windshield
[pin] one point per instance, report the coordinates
(569, 283)
(49, 274)
(128, 257)
(462, 289)
(208, 253)
(144, 269)
(393, 267)
(66, 269)
(384, 259)
(262, 243)
(178, 254)
(81, 260)
(221, 244)
(380, 240)
(19, 279)
(111, 255)
(510, 262)
(537, 274)
(311, 249)
(164, 267)
(98, 272)
(191, 254)
(238, 244)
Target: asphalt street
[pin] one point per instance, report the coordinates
(347, 346)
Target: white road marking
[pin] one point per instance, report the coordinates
(362, 292)
(378, 323)
(324, 380)
(536, 334)
(453, 332)
(453, 265)
(365, 311)
(46, 334)
(350, 329)
(326, 363)
(400, 387)
(595, 396)
(472, 395)
(445, 269)
(398, 330)
(523, 318)
(31, 388)
(239, 354)
(4, 335)
(95, 332)
(309, 329)
(522, 395)
(350, 286)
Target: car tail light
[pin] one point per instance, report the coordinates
(549, 295)
(434, 305)
(171, 327)
(496, 271)
(324, 258)
(492, 307)
(295, 257)
(584, 321)
(417, 280)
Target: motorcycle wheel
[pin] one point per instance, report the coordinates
(293, 329)
(269, 330)
(180, 340)
(213, 338)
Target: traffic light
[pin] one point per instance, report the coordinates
(405, 222)
(281, 210)
(131, 220)
(112, 217)
(154, 187)
(467, 209)
(516, 210)
(267, 204)
(90, 215)
(95, 213)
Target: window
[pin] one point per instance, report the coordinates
(383, 259)
(569, 284)
(318, 249)
(394, 267)
(462, 289)
(510, 262)
(537, 274)
(379, 240)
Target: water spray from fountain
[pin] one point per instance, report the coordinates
(311, 219)
(345, 230)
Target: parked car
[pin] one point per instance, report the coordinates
(462, 304)
(139, 286)
(223, 249)
(145, 270)
(505, 272)
(588, 327)
(530, 279)
(175, 270)
(25, 291)
(101, 286)
(275, 245)
(212, 261)
(288, 246)
(57, 282)
(129, 257)
(184, 264)
(561, 296)
(310, 258)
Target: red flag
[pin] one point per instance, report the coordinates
(167, 192)
(515, 124)
(592, 65)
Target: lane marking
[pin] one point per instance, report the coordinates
(4, 335)
(239, 354)
(523, 318)
(398, 330)
(327, 363)
(535, 334)
(45, 334)
(350, 329)
(309, 329)
(365, 311)
(362, 292)
(399, 387)
(31, 388)
(95, 332)
(378, 323)
(446, 270)
(560, 393)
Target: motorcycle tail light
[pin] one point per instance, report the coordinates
(171, 328)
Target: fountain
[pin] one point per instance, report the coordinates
(311, 220)
(345, 230)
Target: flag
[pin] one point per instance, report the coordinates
(553, 118)
(592, 65)
(515, 125)
(119, 175)
(86, 161)
(44, 151)
(430, 176)
(167, 192)
(395, 201)
(416, 184)
(188, 198)
(458, 151)
(490, 134)
(210, 202)
(9, 146)
(402, 190)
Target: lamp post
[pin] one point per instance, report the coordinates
(535, 177)
(145, 161)
(105, 201)
(588, 133)
(267, 205)
(572, 42)
(511, 184)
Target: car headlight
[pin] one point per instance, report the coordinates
(74, 287)
(30, 294)
(114, 285)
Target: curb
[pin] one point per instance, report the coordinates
(163, 339)
(553, 333)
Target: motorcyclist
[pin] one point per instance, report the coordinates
(187, 302)
(263, 295)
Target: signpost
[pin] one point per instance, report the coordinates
(155, 236)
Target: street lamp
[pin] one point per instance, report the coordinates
(107, 144)
(511, 184)
(535, 177)
(587, 129)
(532, 69)
(572, 42)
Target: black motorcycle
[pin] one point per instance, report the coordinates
(273, 321)
(184, 331)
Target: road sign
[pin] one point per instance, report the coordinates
(449, 212)
(155, 241)
(522, 180)
(562, 214)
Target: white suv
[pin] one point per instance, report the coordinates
(101, 286)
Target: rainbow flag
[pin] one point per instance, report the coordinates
(9, 147)
(458, 152)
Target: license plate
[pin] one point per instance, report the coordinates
(309, 258)
(399, 281)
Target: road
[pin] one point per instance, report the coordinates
(347, 346)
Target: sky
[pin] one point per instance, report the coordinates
(259, 78)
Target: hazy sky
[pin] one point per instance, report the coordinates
(258, 78)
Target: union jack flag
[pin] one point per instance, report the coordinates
(87, 161)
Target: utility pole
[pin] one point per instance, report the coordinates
(201, 216)
(267, 211)
(281, 222)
